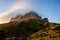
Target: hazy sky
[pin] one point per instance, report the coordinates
(45, 8)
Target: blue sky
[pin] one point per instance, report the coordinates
(45, 8)
(49, 9)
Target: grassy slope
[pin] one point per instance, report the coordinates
(51, 32)
(33, 30)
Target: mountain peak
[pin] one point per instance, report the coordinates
(32, 15)
(28, 16)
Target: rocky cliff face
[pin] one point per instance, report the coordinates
(28, 16)
(45, 19)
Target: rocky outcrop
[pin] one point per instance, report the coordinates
(45, 19)
(27, 16)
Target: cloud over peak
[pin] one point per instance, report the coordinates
(15, 5)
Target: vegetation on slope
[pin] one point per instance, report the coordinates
(32, 30)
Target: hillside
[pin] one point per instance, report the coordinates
(29, 27)
(33, 30)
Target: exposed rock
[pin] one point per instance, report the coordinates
(27, 16)
(45, 19)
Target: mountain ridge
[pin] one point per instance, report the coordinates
(30, 27)
(27, 16)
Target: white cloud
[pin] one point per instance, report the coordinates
(17, 4)
(20, 4)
